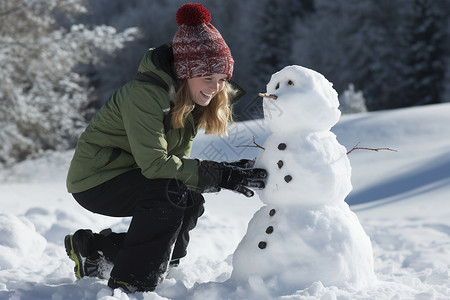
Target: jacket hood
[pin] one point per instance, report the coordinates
(159, 61)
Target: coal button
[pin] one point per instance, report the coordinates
(282, 146)
(280, 164)
(262, 245)
(287, 178)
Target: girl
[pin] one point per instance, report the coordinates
(132, 158)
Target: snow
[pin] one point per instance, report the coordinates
(324, 244)
(306, 101)
(306, 230)
(400, 198)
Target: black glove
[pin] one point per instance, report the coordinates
(212, 176)
(243, 163)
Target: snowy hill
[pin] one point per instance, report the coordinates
(401, 199)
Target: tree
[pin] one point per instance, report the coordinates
(43, 99)
(394, 51)
(353, 41)
(269, 44)
(424, 62)
(352, 101)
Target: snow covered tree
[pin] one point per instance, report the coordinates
(269, 43)
(424, 62)
(352, 101)
(353, 41)
(273, 39)
(273, 33)
(43, 97)
(156, 23)
(394, 51)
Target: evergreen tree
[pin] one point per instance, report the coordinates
(270, 43)
(424, 61)
(376, 50)
(156, 22)
(43, 100)
(352, 101)
(273, 36)
(353, 41)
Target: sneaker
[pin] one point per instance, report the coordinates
(77, 248)
(127, 287)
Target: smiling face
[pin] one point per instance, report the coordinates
(203, 89)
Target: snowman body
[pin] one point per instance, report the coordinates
(305, 232)
(302, 164)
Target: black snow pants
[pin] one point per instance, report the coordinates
(163, 212)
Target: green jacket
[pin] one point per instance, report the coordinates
(128, 133)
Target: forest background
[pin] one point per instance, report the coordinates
(60, 60)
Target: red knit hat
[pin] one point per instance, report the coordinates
(198, 48)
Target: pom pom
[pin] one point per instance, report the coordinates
(193, 14)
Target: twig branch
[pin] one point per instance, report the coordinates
(265, 95)
(371, 149)
(255, 145)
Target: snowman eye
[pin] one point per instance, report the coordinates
(290, 82)
(277, 86)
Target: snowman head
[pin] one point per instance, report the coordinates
(305, 101)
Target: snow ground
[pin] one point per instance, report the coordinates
(401, 199)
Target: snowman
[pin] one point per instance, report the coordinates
(305, 233)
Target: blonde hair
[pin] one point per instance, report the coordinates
(213, 118)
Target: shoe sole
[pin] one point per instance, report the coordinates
(70, 250)
(126, 287)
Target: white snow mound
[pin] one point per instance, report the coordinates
(18, 240)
